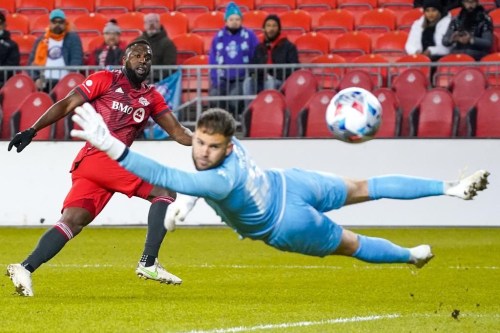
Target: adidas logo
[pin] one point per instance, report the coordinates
(119, 90)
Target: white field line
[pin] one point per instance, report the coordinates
(296, 324)
(312, 267)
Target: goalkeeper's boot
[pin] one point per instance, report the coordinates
(21, 278)
(468, 187)
(420, 255)
(156, 272)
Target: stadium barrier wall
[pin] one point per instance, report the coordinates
(35, 182)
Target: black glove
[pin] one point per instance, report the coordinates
(22, 139)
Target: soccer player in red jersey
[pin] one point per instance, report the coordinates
(125, 102)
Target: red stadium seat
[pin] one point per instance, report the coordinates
(174, 23)
(316, 8)
(254, 20)
(357, 7)
(483, 121)
(311, 45)
(376, 22)
(207, 25)
(352, 44)
(245, 5)
(397, 6)
(406, 20)
(275, 6)
(391, 115)
(92, 24)
(466, 87)
(356, 78)
(39, 25)
(492, 71)
(190, 82)
(34, 8)
(73, 8)
(410, 87)
(154, 6)
(328, 77)
(112, 8)
(445, 73)
(435, 115)
(25, 43)
(30, 109)
(378, 73)
(8, 7)
(266, 116)
(391, 45)
(17, 24)
(194, 8)
(188, 45)
(334, 23)
(295, 23)
(131, 24)
(12, 93)
(410, 60)
(297, 89)
(495, 18)
(312, 121)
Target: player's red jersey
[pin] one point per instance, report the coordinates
(125, 110)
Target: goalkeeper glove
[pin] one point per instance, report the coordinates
(22, 139)
(95, 131)
(178, 210)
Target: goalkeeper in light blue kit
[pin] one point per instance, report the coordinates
(283, 208)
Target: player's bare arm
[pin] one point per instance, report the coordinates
(175, 129)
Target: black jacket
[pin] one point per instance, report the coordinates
(481, 30)
(9, 54)
(284, 52)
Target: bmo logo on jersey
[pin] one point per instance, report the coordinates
(137, 115)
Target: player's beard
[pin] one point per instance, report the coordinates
(134, 78)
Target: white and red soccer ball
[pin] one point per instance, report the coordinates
(354, 115)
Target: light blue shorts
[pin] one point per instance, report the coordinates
(304, 228)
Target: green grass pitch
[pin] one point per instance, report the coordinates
(233, 285)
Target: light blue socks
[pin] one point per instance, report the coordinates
(403, 187)
(379, 250)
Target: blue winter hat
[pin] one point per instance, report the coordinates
(232, 9)
(57, 13)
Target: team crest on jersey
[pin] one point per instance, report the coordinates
(138, 115)
(143, 101)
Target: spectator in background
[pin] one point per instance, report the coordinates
(471, 32)
(164, 50)
(275, 49)
(58, 47)
(446, 5)
(232, 45)
(9, 51)
(111, 51)
(426, 34)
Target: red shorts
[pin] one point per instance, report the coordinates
(96, 178)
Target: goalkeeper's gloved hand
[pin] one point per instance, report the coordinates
(95, 131)
(178, 210)
(22, 139)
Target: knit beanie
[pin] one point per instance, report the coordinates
(232, 9)
(112, 27)
(433, 4)
(273, 17)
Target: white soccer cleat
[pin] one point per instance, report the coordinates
(21, 278)
(156, 272)
(420, 255)
(468, 187)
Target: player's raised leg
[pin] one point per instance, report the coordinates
(380, 250)
(149, 267)
(407, 188)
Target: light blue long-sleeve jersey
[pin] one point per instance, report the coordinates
(247, 198)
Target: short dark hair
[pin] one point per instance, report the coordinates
(217, 121)
(136, 42)
(2, 17)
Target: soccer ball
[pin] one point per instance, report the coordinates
(354, 115)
